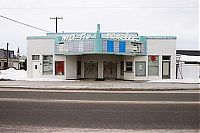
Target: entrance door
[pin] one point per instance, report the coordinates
(90, 69)
(166, 70)
(36, 69)
(109, 70)
(166, 67)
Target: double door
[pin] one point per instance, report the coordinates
(109, 70)
(90, 69)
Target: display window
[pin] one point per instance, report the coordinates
(59, 68)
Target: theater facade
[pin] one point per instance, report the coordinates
(101, 55)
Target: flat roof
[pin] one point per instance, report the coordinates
(39, 37)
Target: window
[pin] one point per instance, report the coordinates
(153, 65)
(59, 68)
(129, 66)
(11, 54)
(165, 57)
(140, 68)
(35, 57)
(47, 64)
(35, 66)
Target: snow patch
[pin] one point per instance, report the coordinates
(186, 80)
(13, 74)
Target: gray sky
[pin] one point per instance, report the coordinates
(147, 17)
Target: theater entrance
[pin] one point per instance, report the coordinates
(90, 69)
(109, 70)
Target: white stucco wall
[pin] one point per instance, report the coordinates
(38, 47)
(189, 71)
(158, 47)
(162, 47)
(45, 46)
(71, 67)
(129, 75)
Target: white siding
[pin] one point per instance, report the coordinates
(38, 47)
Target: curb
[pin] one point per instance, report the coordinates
(97, 89)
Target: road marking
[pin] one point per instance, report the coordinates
(97, 91)
(93, 101)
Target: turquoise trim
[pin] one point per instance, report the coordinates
(58, 39)
(98, 40)
(143, 40)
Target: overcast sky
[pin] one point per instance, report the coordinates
(147, 17)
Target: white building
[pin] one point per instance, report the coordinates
(99, 55)
(188, 64)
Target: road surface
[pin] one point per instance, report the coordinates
(145, 111)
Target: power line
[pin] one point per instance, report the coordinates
(24, 24)
(125, 7)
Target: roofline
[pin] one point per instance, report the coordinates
(38, 37)
(162, 37)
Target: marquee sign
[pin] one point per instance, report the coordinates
(112, 36)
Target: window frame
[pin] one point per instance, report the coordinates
(62, 72)
(129, 66)
(152, 64)
(136, 74)
(46, 64)
(37, 59)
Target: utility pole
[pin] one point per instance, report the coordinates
(7, 56)
(56, 18)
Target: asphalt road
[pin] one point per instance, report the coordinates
(156, 110)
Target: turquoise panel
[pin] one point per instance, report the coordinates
(143, 40)
(58, 39)
(98, 40)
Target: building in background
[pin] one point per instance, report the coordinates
(13, 60)
(101, 55)
(188, 64)
(23, 62)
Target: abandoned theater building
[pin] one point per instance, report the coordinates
(101, 55)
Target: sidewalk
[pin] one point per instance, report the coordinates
(117, 85)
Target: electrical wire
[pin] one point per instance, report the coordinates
(24, 24)
(95, 7)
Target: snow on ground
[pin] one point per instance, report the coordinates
(13, 74)
(187, 80)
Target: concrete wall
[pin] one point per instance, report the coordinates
(38, 47)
